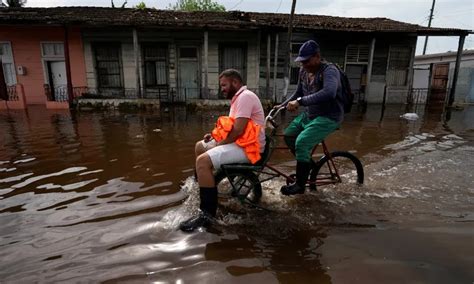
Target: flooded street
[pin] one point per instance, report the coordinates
(97, 197)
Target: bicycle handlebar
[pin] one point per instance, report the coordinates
(271, 115)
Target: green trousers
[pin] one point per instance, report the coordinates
(303, 134)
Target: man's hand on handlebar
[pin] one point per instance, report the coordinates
(292, 106)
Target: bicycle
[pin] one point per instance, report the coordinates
(242, 180)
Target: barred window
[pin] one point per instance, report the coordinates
(398, 65)
(109, 71)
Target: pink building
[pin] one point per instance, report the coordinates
(35, 65)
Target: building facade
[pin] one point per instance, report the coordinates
(434, 72)
(177, 56)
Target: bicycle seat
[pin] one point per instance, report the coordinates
(265, 156)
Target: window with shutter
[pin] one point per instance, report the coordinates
(52, 49)
(8, 66)
(233, 55)
(357, 53)
(156, 65)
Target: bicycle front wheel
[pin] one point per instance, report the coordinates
(342, 167)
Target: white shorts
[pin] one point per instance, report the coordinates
(225, 154)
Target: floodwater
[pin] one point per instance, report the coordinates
(97, 197)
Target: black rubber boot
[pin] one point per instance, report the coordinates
(302, 173)
(208, 211)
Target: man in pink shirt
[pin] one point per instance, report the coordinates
(210, 155)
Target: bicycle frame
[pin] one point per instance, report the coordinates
(325, 179)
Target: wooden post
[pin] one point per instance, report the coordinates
(288, 48)
(257, 69)
(269, 45)
(275, 68)
(68, 66)
(383, 102)
(3, 84)
(429, 25)
(411, 71)
(369, 68)
(137, 63)
(456, 70)
(206, 63)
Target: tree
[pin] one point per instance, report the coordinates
(16, 3)
(197, 5)
(141, 5)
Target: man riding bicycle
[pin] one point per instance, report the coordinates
(323, 115)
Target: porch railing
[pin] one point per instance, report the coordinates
(164, 94)
(56, 94)
(12, 93)
(417, 96)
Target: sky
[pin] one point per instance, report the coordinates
(447, 13)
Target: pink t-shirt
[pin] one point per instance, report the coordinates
(246, 104)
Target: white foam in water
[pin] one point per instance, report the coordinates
(34, 179)
(428, 146)
(15, 178)
(452, 136)
(4, 162)
(90, 172)
(7, 170)
(190, 206)
(24, 160)
(385, 195)
(409, 141)
(409, 116)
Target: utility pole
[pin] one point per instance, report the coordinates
(287, 69)
(429, 25)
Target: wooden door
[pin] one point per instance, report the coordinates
(439, 82)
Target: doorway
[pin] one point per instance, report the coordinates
(439, 82)
(188, 73)
(357, 75)
(57, 80)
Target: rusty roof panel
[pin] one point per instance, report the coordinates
(100, 16)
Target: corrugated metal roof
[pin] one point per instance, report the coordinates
(100, 16)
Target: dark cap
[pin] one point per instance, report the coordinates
(307, 50)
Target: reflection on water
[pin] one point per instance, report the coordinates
(98, 196)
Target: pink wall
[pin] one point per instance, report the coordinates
(25, 42)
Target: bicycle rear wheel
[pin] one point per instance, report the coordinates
(343, 167)
(244, 185)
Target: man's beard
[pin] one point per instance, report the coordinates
(231, 93)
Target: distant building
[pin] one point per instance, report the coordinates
(434, 72)
(177, 56)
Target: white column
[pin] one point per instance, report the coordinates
(369, 68)
(206, 61)
(275, 68)
(136, 50)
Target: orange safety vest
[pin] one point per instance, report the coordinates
(248, 140)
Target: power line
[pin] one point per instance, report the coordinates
(238, 3)
(279, 5)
